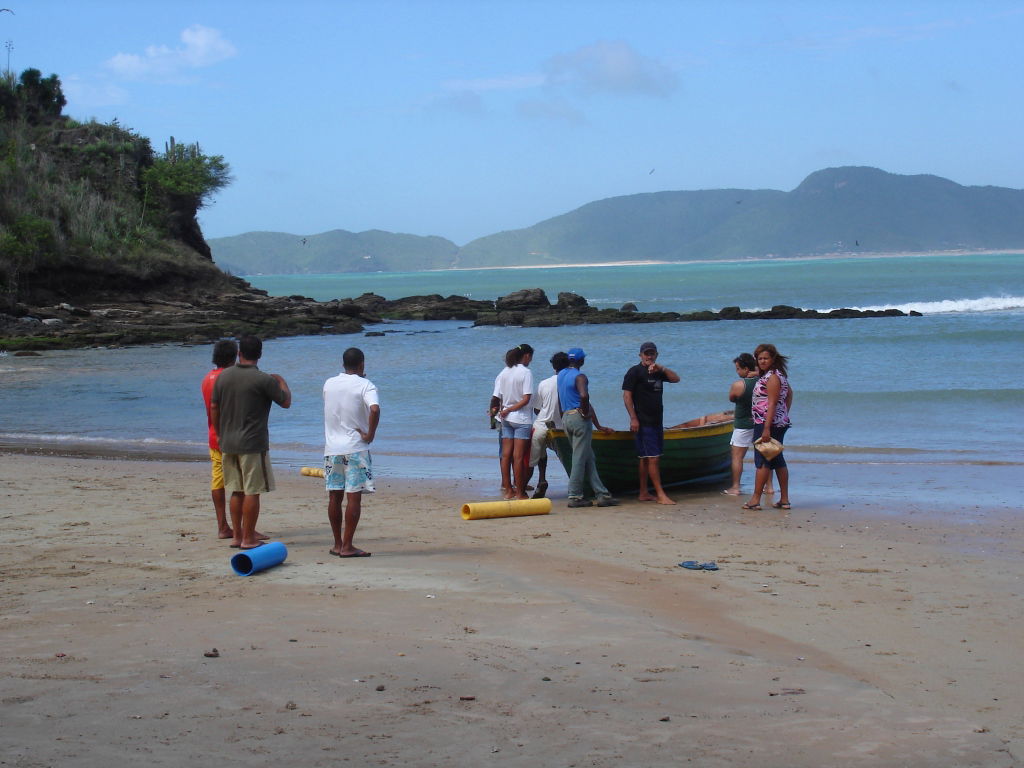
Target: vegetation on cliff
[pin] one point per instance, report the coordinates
(89, 210)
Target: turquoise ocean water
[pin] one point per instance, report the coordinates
(926, 391)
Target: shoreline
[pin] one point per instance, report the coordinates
(839, 255)
(829, 636)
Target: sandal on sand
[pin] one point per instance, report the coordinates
(691, 565)
(748, 505)
(781, 505)
(712, 566)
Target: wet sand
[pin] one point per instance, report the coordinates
(842, 633)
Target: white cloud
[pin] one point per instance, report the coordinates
(201, 47)
(603, 67)
(611, 66)
(550, 109)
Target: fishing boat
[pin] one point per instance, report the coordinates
(695, 452)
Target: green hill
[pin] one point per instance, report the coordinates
(836, 210)
(335, 251)
(847, 210)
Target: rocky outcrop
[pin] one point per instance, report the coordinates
(109, 320)
(153, 320)
(532, 308)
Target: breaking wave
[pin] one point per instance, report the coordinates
(951, 306)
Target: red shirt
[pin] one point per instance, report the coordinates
(208, 381)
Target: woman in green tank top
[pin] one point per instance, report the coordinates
(741, 393)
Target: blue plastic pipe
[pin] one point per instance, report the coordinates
(259, 559)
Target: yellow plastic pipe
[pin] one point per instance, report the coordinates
(484, 510)
(312, 471)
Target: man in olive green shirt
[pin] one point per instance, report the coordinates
(240, 410)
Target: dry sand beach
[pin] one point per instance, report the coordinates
(831, 636)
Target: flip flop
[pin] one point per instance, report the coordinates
(781, 505)
(256, 547)
(357, 554)
(755, 507)
(712, 566)
(691, 565)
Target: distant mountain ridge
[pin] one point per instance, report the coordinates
(835, 210)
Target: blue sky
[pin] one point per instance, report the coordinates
(464, 118)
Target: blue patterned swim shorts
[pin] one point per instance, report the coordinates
(351, 472)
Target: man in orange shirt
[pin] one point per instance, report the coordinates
(224, 354)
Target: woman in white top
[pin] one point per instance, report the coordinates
(514, 389)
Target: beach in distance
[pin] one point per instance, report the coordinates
(874, 624)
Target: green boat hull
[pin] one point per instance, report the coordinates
(692, 456)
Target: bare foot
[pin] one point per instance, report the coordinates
(645, 497)
(732, 492)
(227, 533)
(665, 500)
(769, 491)
(524, 497)
(261, 536)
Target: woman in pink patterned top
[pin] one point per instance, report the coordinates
(772, 398)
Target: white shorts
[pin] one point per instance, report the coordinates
(742, 438)
(538, 442)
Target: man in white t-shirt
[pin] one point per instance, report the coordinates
(351, 415)
(514, 388)
(548, 417)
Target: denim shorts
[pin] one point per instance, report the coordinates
(515, 431)
(778, 432)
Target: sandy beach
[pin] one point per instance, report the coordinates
(833, 635)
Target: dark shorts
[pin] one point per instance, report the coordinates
(649, 441)
(779, 461)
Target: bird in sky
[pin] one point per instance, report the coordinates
(8, 10)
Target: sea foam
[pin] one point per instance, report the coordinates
(951, 306)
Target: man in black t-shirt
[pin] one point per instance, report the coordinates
(641, 393)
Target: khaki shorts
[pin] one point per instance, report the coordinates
(538, 442)
(247, 473)
(216, 470)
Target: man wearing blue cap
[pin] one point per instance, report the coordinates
(579, 420)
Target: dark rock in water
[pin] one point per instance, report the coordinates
(112, 320)
(526, 299)
(530, 309)
(569, 301)
(117, 321)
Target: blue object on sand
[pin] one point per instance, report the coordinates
(709, 566)
(259, 558)
(692, 565)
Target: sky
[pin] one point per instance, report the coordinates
(462, 118)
